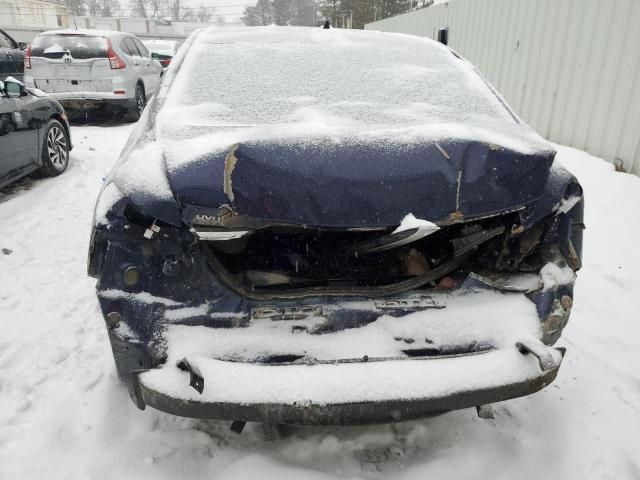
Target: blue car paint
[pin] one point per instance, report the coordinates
(310, 182)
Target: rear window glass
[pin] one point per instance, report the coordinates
(143, 50)
(129, 47)
(158, 56)
(78, 46)
(159, 46)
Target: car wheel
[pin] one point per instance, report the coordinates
(55, 149)
(133, 114)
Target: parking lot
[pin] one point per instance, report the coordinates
(64, 415)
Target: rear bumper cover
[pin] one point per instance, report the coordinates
(87, 100)
(346, 393)
(89, 95)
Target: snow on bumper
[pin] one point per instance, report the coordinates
(347, 363)
(347, 393)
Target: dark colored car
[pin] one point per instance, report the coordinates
(11, 57)
(34, 133)
(162, 51)
(335, 228)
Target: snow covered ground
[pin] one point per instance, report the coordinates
(63, 414)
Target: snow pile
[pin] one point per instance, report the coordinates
(142, 297)
(109, 195)
(466, 318)
(552, 275)
(410, 221)
(143, 173)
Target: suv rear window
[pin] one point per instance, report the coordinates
(79, 46)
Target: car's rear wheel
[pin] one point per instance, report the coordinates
(134, 113)
(55, 149)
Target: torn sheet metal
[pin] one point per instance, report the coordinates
(510, 282)
(345, 184)
(229, 165)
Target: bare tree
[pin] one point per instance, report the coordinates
(364, 11)
(329, 9)
(158, 7)
(283, 11)
(175, 9)
(76, 7)
(265, 12)
(304, 14)
(204, 14)
(93, 7)
(250, 16)
(139, 8)
(110, 8)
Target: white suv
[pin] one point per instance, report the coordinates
(91, 68)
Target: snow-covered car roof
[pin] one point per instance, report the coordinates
(81, 31)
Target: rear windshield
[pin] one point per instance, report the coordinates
(158, 56)
(265, 76)
(78, 46)
(159, 46)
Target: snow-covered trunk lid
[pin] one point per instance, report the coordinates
(357, 183)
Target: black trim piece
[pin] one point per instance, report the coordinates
(16, 174)
(358, 413)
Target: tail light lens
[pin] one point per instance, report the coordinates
(27, 57)
(115, 61)
(165, 62)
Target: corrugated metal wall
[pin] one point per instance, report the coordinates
(570, 68)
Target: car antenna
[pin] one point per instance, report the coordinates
(327, 24)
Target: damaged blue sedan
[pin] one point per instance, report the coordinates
(319, 226)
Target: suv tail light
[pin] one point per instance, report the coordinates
(165, 62)
(27, 57)
(114, 60)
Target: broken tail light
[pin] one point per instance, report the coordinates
(27, 58)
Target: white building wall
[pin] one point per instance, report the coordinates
(26, 13)
(570, 68)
